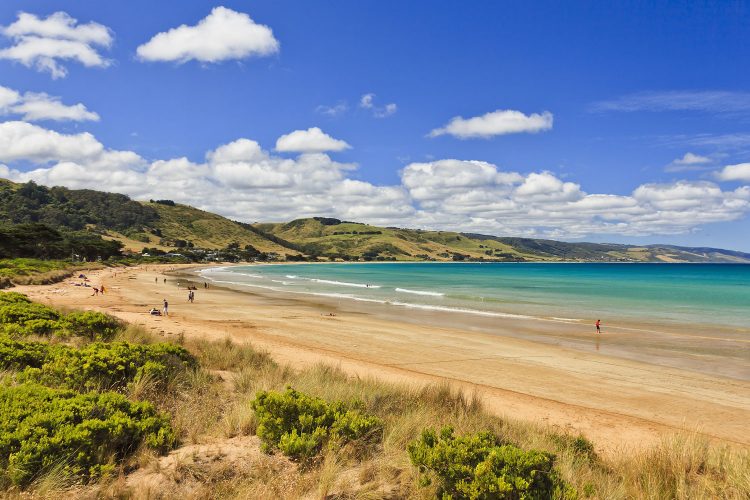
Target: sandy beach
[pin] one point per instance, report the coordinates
(617, 402)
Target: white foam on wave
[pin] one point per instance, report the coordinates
(291, 276)
(346, 296)
(212, 270)
(477, 312)
(420, 292)
(285, 283)
(344, 283)
(565, 320)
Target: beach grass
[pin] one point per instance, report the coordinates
(682, 466)
(219, 456)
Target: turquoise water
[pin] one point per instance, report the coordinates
(716, 294)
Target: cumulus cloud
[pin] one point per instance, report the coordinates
(739, 172)
(689, 161)
(692, 159)
(500, 122)
(45, 42)
(312, 140)
(242, 180)
(33, 106)
(367, 101)
(224, 34)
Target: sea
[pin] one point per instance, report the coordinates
(714, 295)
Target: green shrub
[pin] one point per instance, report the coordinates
(92, 325)
(15, 355)
(96, 365)
(19, 317)
(85, 435)
(298, 425)
(13, 298)
(22, 312)
(476, 466)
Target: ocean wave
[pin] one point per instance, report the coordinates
(420, 292)
(292, 276)
(565, 320)
(285, 283)
(345, 296)
(344, 283)
(477, 312)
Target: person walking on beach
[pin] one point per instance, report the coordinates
(165, 310)
(598, 326)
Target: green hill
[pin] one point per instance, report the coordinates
(162, 224)
(329, 237)
(166, 225)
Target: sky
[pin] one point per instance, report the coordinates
(583, 121)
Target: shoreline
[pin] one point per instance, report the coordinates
(723, 352)
(618, 403)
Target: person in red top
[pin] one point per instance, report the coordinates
(598, 326)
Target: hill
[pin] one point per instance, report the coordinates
(166, 225)
(350, 240)
(162, 224)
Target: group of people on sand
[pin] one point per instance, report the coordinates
(165, 308)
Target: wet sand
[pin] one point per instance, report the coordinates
(553, 373)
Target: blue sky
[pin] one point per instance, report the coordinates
(626, 122)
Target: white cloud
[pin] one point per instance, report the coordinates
(33, 106)
(21, 141)
(739, 172)
(708, 101)
(692, 159)
(224, 34)
(688, 162)
(243, 181)
(312, 140)
(500, 122)
(8, 97)
(44, 43)
(367, 101)
(335, 110)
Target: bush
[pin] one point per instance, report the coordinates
(13, 298)
(19, 317)
(98, 365)
(92, 325)
(85, 435)
(298, 425)
(476, 466)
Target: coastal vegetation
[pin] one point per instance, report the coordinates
(92, 412)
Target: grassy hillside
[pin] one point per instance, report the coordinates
(333, 238)
(205, 229)
(166, 225)
(329, 237)
(116, 217)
